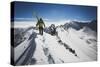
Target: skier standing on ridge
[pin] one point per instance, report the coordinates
(40, 24)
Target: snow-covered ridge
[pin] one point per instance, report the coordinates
(67, 45)
(66, 23)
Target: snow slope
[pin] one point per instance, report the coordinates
(50, 50)
(67, 46)
(83, 50)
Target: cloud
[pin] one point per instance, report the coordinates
(30, 19)
(24, 19)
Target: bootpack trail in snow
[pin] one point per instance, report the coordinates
(46, 48)
(64, 46)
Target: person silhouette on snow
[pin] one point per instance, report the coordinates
(40, 24)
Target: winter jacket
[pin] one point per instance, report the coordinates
(40, 23)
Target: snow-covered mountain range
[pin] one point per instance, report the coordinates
(73, 42)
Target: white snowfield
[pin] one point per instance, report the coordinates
(49, 50)
(19, 50)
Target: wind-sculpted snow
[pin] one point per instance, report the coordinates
(24, 51)
(67, 45)
(83, 50)
(49, 50)
(64, 47)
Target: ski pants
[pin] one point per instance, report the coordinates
(41, 30)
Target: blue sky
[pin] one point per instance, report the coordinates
(24, 11)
